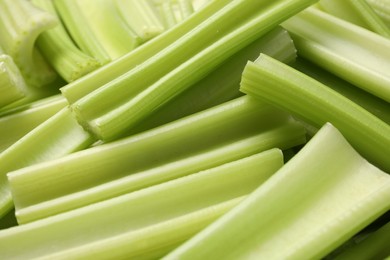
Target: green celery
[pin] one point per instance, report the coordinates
(20, 25)
(117, 113)
(114, 69)
(57, 136)
(110, 30)
(358, 12)
(185, 7)
(77, 25)
(14, 126)
(60, 51)
(140, 17)
(279, 84)
(382, 8)
(166, 13)
(134, 213)
(222, 84)
(353, 53)
(152, 157)
(320, 198)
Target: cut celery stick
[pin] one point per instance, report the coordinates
(222, 84)
(353, 53)
(140, 17)
(77, 25)
(285, 87)
(12, 85)
(15, 125)
(358, 12)
(117, 113)
(20, 25)
(371, 103)
(316, 201)
(114, 69)
(382, 8)
(215, 129)
(121, 216)
(60, 51)
(56, 137)
(111, 31)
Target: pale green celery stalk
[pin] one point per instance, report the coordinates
(110, 30)
(382, 8)
(287, 88)
(173, 150)
(371, 103)
(166, 13)
(12, 85)
(222, 84)
(60, 51)
(358, 12)
(20, 25)
(320, 198)
(353, 53)
(375, 246)
(56, 137)
(186, 8)
(116, 115)
(125, 216)
(14, 126)
(140, 17)
(77, 25)
(114, 69)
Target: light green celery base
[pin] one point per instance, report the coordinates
(319, 199)
(287, 88)
(56, 137)
(114, 69)
(14, 126)
(355, 54)
(138, 210)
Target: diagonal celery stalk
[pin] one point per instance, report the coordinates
(128, 215)
(358, 12)
(316, 201)
(353, 53)
(279, 84)
(117, 113)
(382, 8)
(126, 165)
(140, 17)
(60, 51)
(18, 36)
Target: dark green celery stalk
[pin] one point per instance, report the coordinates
(287, 88)
(223, 133)
(121, 107)
(114, 69)
(60, 51)
(222, 84)
(145, 218)
(319, 199)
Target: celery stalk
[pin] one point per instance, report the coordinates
(166, 13)
(290, 89)
(382, 8)
(355, 54)
(134, 212)
(316, 201)
(126, 165)
(358, 12)
(116, 113)
(20, 25)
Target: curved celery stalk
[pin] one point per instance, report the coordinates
(126, 165)
(140, 17)
(134, 213)
(316, 201)
(114, 69)
(60, 51)
(382, 8)
(358, 12)
(122, 107)
(14, 126)
(77, 26)
(349, 51)
(20, 25)
(290, 89)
